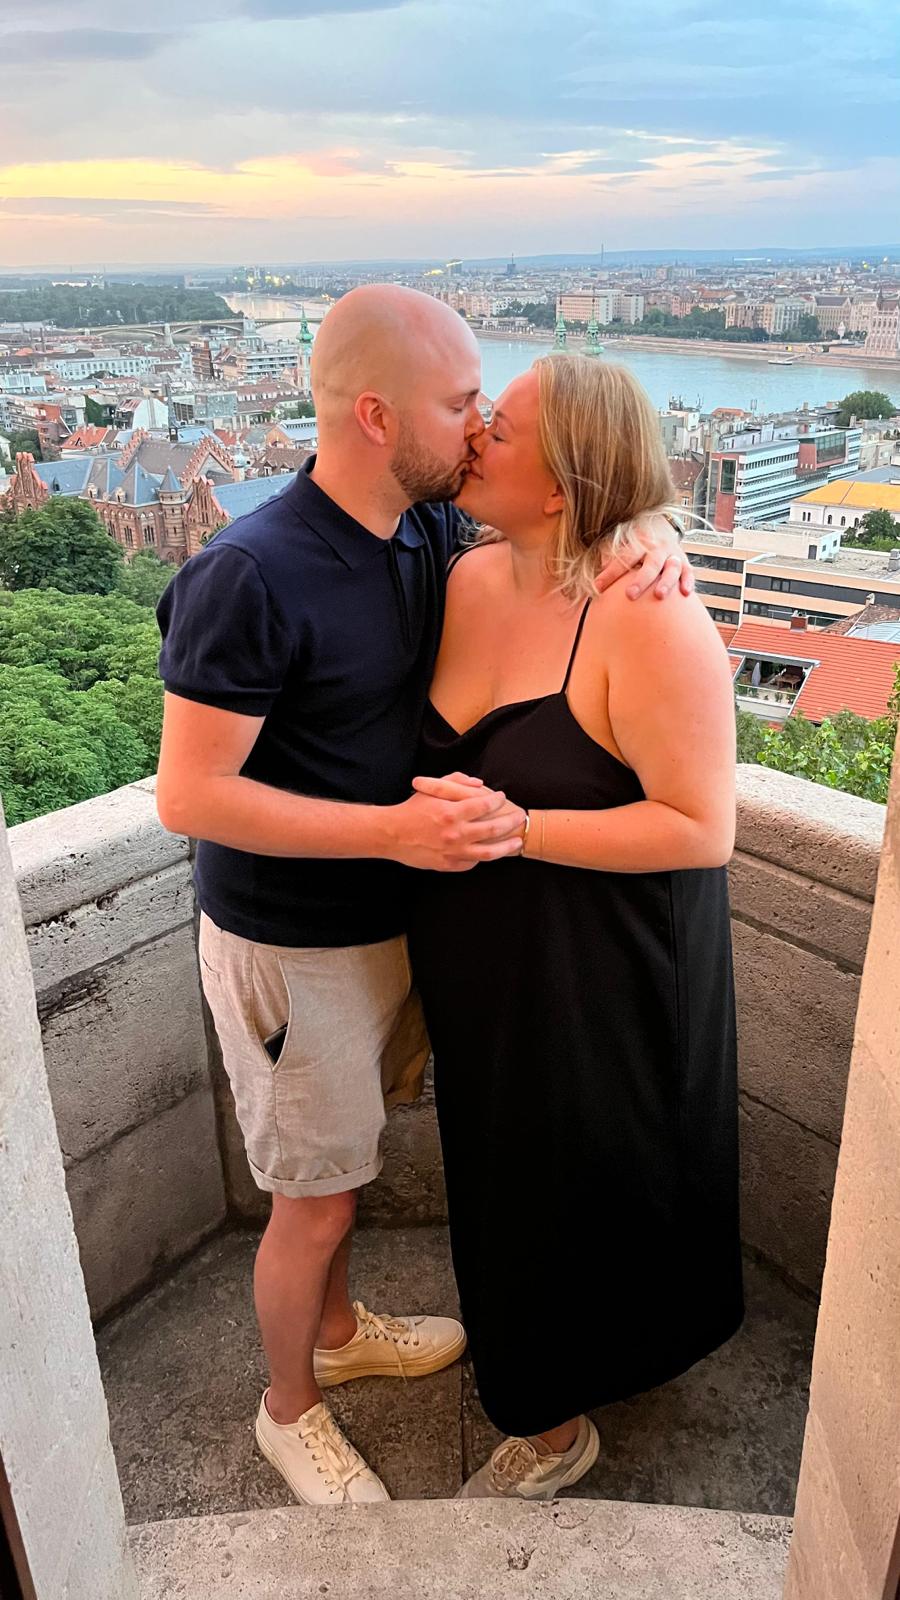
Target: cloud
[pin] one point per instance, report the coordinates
(452, 126)
(79, 45)
(39, 205)
(301, 10)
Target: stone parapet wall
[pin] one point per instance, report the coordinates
(108, 904)
(802, 885)
(153, 1156)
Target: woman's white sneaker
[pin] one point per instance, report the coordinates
(391, 1347)
(525, 1469)
(316, 1460)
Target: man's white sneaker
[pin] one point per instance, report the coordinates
(391, 1347)
(316, 1461)
(525, 1469)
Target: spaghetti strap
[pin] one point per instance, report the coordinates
(578, 633)
(458, 555)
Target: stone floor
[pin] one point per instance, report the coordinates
(183, 1373)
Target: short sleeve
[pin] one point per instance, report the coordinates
(225, 641)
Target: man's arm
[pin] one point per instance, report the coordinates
(200, 792)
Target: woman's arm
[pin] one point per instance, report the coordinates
(671, 709)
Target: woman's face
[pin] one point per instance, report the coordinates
(509, 485)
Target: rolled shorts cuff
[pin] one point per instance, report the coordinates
(303, 1188)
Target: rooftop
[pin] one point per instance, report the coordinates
(879, 496)
(848, 673)
(236, 499)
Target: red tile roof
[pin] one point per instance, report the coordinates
(86, 438)
(850, 675)
(684, 472)
(726, 631)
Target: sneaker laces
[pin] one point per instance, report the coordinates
(327, 1443)
(396, 1330)
(512, 1463)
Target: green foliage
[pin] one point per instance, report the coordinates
(20, 443)
(865, 404)
(70, 306)
(60, 545)
(95, 414)
(302, 408)
(807, 328)
(877, 531)
(845, 752)
(80, 699)
(698, 324)
(144, 578)
(539, 313)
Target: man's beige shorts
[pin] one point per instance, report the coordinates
(355, 1044)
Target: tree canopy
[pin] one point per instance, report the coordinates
(22, 442)
(865, 405)
(80, 699)
(877, 531)
(59, 545)
(844, 752)
(78, 306)
(144, 578)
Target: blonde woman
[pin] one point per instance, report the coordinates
(579, 997)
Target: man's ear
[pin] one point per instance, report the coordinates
(371, 412)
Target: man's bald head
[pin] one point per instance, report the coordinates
(396, 377)
(389, 340)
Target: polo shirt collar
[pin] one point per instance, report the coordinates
(350, 541)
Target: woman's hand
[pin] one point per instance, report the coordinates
(663, 564)
(506, 825)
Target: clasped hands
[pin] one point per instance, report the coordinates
(452, 824)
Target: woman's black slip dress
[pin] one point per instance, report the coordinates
(585, 1074)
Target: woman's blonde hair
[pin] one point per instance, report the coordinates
(601, 440)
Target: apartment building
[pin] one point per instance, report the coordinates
(754, 475)
(601, 305)
(739, 583)
(254, 360)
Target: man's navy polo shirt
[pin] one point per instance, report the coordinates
(298, 614)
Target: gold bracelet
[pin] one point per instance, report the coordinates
(527, 828)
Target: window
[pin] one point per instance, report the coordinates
(811, 553)
(150, 535)
(129, 539)
(705, 586)
(727, 477)
(828, 519)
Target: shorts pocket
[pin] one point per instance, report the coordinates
(269, 1003)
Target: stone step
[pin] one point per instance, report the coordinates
(479, 1550)
(183, 1373)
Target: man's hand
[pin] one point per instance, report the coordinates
(663, 564)
(452, 824)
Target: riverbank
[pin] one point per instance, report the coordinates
(799, 355)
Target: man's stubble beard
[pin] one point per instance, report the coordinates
(420, 473)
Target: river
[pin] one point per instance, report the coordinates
(702, 379)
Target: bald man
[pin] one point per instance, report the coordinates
(297, 653)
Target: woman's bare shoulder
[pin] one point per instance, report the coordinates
(477, 565)
(632, 626)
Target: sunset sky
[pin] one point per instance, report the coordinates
(279, 130)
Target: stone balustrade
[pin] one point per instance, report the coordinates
(152, 1155)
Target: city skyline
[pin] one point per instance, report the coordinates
(380, 129)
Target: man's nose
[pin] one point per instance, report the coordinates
(475, 424)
